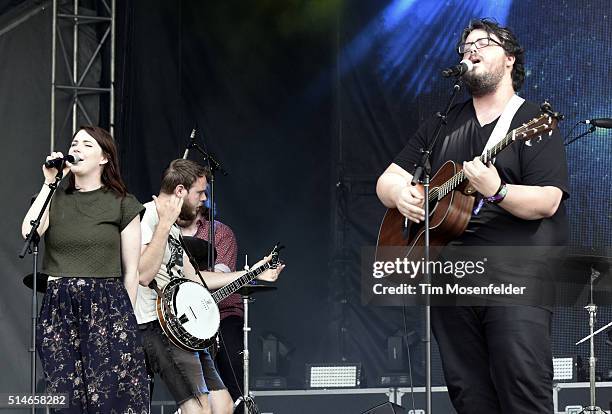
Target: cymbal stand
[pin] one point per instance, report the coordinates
(592, 309)
(249, 403)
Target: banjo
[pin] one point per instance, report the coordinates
(188, 313)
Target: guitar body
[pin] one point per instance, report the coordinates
(449, 217)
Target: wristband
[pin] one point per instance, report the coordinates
(499, 195)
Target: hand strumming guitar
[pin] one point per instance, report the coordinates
(410, 202)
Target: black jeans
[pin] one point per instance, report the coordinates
(496, 359)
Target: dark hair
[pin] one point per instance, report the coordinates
(509, 43)
(182, 172)
(111, 177)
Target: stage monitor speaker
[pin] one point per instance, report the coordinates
(386, 408)
(395, 353)
(270, 356)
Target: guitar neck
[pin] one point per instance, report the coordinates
(232, 287)
(459, 178)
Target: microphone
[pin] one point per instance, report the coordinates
(599, 122)
(191, 139)
(57, 162)
(464, 66)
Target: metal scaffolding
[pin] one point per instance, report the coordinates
(75, 83)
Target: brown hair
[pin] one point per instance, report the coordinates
(508, 41)
(182, 172)
(111, 178)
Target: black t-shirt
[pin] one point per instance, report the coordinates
(493, 229)
(541, 164)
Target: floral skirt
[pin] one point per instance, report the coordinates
(90, 347)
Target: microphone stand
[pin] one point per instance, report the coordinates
(31, 246)
(191, 141)
(214, 166)
(592, 310)
(422, 175)
(589, 131)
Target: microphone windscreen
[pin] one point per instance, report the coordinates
(468, 63)
(73, 159)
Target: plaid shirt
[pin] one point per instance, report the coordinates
(227, 252)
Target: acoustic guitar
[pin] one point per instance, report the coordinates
(451, 197)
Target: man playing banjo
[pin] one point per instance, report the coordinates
(164, 259)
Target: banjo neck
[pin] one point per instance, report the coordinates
(222, 293)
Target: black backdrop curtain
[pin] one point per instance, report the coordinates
(306, 103)
(239, 70)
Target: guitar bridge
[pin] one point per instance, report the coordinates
(469, 190)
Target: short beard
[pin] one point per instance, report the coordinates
(187, 213)
(480, 85)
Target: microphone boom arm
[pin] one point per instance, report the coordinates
(215, 165)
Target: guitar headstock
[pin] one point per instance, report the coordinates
(539, 126)
(274, 260)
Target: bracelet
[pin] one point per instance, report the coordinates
(499, 195)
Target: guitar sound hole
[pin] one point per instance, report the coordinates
(432, 206)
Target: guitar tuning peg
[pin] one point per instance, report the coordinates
(246, 263)
(528, 143)
(546, 108)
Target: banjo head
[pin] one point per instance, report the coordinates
(196, 310)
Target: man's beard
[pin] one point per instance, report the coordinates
(485, 83)
(188, 212)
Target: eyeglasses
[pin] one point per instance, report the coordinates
(478, 43)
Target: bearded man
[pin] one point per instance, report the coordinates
(195, 386)
(496, 359)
